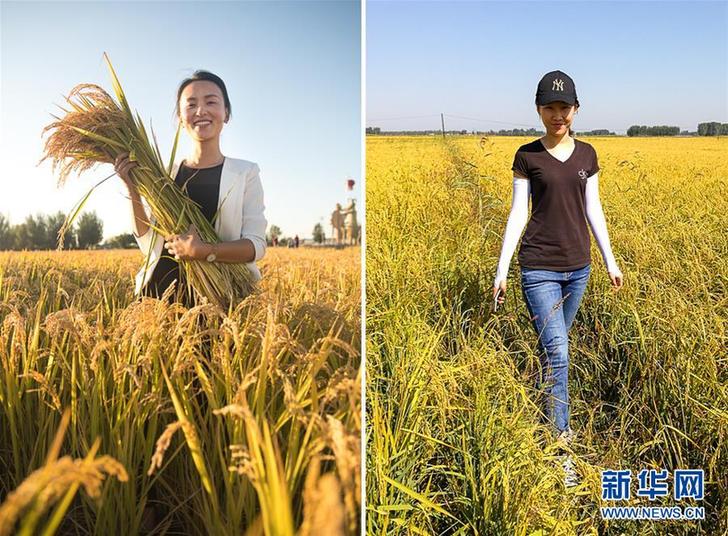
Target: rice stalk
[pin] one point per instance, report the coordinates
(59, 477)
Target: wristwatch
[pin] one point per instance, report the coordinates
(212, 256)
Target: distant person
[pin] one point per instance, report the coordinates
(208, 178)
(275, 241)
(560, 176)
(350, 225)
(337, 224)
(296, 240)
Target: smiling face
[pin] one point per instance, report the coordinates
(202, 110)
(557, 117)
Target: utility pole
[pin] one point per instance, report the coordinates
(442, 119)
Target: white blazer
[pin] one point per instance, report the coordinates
(240, 215)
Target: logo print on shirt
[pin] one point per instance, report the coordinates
(582, 174)
(558, 85)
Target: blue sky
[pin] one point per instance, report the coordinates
(632, 62)
(292, 70)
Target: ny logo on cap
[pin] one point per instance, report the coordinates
(558, 85)
(582, 174)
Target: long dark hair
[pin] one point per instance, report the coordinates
(209, 77)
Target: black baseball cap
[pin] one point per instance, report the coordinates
(556, 86)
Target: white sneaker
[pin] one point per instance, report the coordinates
(567, 436)
(571, 478)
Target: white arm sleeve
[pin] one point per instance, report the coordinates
(598, 224)
(517, 220)
(254, 222)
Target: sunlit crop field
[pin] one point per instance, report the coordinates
(179, 421)
(454, 444)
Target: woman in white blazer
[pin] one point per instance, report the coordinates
(227, 187)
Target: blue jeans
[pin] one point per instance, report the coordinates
(552, 299)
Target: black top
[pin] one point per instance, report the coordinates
(203, 187)
(556, 236)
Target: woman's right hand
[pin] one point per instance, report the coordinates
(123, 167)
(502, 287)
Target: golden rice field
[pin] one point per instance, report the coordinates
(137, 417)
(454, 444)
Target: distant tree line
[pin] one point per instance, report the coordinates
(502, 132)
(415, 132)
(463, 132)
(512, 132)
(536, 132)
(713, 129)
(597, 132)
(704, 129)
(41, 232)
(661, 130)
(122, 241)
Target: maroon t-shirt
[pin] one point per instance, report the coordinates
(556, 237)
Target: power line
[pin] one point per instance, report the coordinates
(492, 121)
(405, 117)
(448, 115)
(581, 128)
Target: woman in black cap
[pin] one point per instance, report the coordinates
(560, 175)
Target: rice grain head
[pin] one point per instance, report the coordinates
(323, 509)
(46, 485)
(162, 445)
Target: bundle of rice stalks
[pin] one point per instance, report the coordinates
(96, 130)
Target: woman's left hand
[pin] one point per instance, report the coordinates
(617, 280)
(187, 246)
